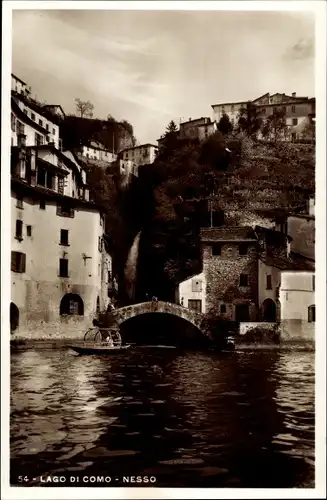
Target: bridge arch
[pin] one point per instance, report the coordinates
(119, 316)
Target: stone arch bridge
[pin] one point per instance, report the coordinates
(118, 316)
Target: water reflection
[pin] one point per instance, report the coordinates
(192, 419)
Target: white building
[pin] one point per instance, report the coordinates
(299, 112)
(60, 268)
(19, 86)
(140, 155)
(297, 304)
(40, 124)
(191, 293)
(96, 151)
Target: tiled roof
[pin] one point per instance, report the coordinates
(293, 263)
(271, 235)
(230, 233)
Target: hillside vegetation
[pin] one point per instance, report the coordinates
(169, 200)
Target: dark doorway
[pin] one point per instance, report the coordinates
(98, 306)
(312, 314)
(242, 312)
(14, 317)
(269, 311)
(71, 304)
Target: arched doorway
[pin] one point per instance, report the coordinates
(269, 310)
(14, 317)
(72, 304)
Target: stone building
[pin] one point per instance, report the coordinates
(228, 284)
(60, 266)
(230, 266)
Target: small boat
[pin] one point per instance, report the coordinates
(98, 349)
(111, 345)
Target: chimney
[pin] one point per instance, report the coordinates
(293, 94)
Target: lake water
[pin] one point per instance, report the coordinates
(185, 419)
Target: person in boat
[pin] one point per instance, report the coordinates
(109, 341)
(119, 340)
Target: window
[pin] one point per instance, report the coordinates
(100, 244)
(33, 116)
(40, 179)
(223, 308)
(19, 201)
(196, 285)
(20, 128)
(50, 178)
(18, 262)
(63, 268)
(47, 126)
(274, 110)
(13, 122)
(38, 139)
(41, 123)
(42, 204)
(263, 111)
(19, 230)
(53, 132)
(29, 230)
(60, 185)
(294, 121)
(312, 314)
(64, 237)
(244, 280)
(65, 210)
(293, 109)
(243, 249)
(195, 305)
(216, 249)
(313, 282)
(268, 282)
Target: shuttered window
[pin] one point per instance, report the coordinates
(18, 262)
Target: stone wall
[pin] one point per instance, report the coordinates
(222, 274)
(66, 327)
(290, 333)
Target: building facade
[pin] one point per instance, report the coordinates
(297, 302)
(96, 151)
(60, 266)
(230, 267)
(190, 128)
(191, 293)
(40, 124)
(299, 113)
(140, 155)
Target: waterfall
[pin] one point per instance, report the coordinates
(130, 272)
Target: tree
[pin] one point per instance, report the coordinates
(84, 108)
(171, 127)
(249, 120)
(224, 125)
(275, 125)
